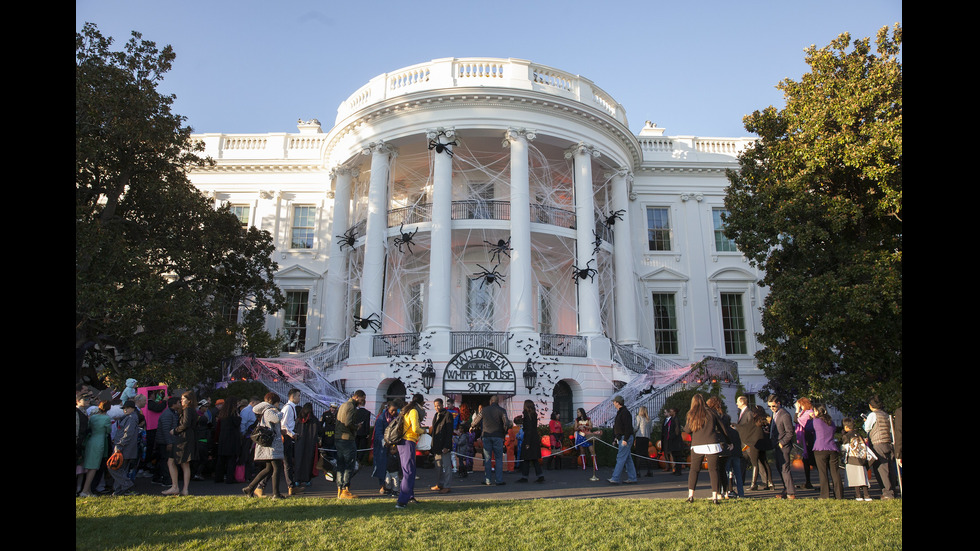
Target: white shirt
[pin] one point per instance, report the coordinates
(289, 418)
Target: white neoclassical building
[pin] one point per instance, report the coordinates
(484, 226)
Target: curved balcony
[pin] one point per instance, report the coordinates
(516, 74)
(491, 210)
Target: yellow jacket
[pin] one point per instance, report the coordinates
(413, 430)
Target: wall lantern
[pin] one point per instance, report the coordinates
(530, 376)
(428, 376)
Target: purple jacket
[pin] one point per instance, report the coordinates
(824, 440)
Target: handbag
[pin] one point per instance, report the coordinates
(262, 436)
(239, 473)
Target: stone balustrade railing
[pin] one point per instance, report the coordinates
(468, 72)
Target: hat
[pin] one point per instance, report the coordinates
(619, 399)
(219, 401)
(203, 402)
(129, 404)
(333, 404)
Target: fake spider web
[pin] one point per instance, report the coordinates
(481, 193)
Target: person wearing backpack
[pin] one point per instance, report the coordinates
(412, 416)
(855, 461)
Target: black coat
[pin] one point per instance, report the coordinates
(531, 445)
(229, 436)
(442, 431)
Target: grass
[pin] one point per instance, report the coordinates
(151, 522)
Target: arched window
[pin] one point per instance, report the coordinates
(562, 394)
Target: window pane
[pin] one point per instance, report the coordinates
(479, 305)
(733, 322)
(295, 321)
(658, 228)
(303, 224)
(665, 323)
(242, 212)
(544, 309)
(722, 243)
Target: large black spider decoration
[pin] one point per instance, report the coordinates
(502, 247)
(348, 239)
(488, 276)
(597, 242)
(371, 321)
(405, 239)
(586, 272)
(442, 147)
(618, 215)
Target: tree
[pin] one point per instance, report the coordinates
(817, 204)
(159, 272)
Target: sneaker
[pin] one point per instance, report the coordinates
(487, 482)
(258, 492)
(540, 479)
(629, 482)
(399, 506)
(611, 481)
(501, 483)
(521, 480)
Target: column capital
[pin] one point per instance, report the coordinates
(582, 148)
(697, 196)
(338, 170)
(379, 147)
(433, 133)
(512, 134)
(621, 172)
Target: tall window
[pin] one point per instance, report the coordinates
(722, 243)
(658, 228)
(304, 219)
(479, 305)
(295, 320)
(733, 323)
(415, 306)
(242, 212)
(665, 323)
(545, 324)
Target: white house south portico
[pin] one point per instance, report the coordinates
(492, 226)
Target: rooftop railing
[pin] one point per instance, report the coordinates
(518, 74)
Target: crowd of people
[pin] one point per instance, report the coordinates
(270, 441)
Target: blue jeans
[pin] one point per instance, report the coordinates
(623, 460)
(734, 468)
(346, 456)
(493, 445)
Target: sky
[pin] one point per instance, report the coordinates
(692, 68)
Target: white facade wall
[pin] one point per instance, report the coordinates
(536, 135)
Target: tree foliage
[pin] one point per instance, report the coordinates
(156, 265)
(817, 204)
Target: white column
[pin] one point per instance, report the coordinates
(376, 229)
(520, 283)
(626, 321)
(589, 322)
(440, 252)
(336, 285)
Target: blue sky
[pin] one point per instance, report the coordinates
(693, 68)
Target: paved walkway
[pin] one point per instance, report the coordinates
(564, 483)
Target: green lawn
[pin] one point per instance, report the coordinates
(236, 523)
